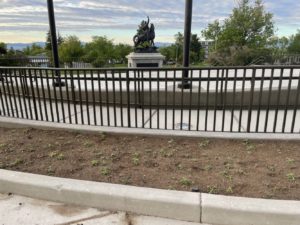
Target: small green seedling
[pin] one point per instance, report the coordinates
(105, 171)
(17, 162)
(53, 154)
(185, 182)
(60, 156)
(249, 146)
(291, 177)
(88, 144)
(204, 143)
(290, 161)
(95, 162)
(50, 170)
(212, 190)
(229, 190)
(136, 159)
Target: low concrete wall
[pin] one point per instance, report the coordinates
(179, 98)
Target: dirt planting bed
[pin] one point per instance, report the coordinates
(266, 169)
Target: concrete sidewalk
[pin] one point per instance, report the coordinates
(18, 210)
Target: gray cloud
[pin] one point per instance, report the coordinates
(91, 15)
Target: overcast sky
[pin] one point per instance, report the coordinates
(27, 21)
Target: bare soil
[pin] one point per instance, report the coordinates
(265, 169)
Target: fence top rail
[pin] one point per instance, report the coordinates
(156, 69)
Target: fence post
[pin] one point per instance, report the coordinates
(128, 98)
(251, 101)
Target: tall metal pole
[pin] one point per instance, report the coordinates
(187, 41)
(53, 33)
(51, 16)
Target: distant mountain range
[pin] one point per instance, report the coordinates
(21, 46)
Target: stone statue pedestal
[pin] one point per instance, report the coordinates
(136, 60)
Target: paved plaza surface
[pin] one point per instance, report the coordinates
(156, 118)
(18, 210)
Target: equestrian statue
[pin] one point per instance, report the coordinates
(144, 39)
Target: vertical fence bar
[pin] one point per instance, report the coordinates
(86, 98)
(174, 92)
(44, 97)
(5, 92)
(61, 99)
(38, 94)
(107, 97)
(150, 99)
(225, 99)
(1, 96)
(242, 99)
(199, 102)
(93, 97)
(216, 100)
(143, 98)
(18, 92)
(80, 96)
(100, 97)
(296, 104)
(166, 100)
(233, 99)
(68, 96)
(278, 100)
(128, 99)
(207, 99)
(55, 95)
(183, 81)
(190, 99)
(74, 100)
(28, 94)
(251, 101)
(136, 95)
(260, 100)
(49, 95)
(9, 92)
(287, 100)
(269, 99)
(33, 95)
(121, 98)
(13, 93)
(114, 97)
(157, 99)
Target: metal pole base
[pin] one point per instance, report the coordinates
(58, 83)
(185, 85)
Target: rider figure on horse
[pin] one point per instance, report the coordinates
(145, 34)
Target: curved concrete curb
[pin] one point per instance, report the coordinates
(23, 123)
(193, 207)
(146, 201)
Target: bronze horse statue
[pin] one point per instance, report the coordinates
(144, 34)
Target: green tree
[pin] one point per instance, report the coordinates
(196, 49)
(212, 32)
(278, 47)
(179, 38)
(3, 48)
(48, 45)
(243, 37)
(33, 50)
(121, 51)
(169, 52)
(99, 51)
(294, 46)
(71, 50)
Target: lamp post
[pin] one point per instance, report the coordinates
(51, 16)
(187, 40)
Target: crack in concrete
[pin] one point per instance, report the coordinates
(128, 219)
(88, 218)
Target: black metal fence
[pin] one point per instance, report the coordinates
(222, 99)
